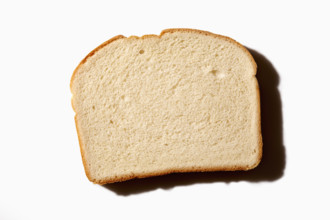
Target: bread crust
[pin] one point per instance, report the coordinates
(164, 172)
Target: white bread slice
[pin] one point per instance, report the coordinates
(184, 101)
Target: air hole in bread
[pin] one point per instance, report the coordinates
(214, 72)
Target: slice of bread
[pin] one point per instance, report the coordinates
(184, 101)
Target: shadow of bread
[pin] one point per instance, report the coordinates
(272, 164)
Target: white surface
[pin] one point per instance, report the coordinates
(41, 173)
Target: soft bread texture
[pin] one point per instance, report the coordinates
(183, 101)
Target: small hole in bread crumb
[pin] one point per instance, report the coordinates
(141, 52)
(214, 72)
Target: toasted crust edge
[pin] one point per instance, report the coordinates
(164, 172)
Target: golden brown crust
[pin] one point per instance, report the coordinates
(258, 124)
(164, 172)
(82, 152)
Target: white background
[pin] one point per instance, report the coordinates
(41, 173)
